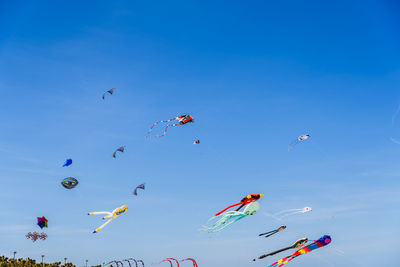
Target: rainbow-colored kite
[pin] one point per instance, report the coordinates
(42, 222)
(323, 241)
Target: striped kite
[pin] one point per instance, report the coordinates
(323, 241)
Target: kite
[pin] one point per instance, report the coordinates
(110, 215)
(192, 260)
(299, 139)
(35, 236)
(142, 186)
(297, 244)
(182, 120)
(282, 214)
(42, 222)
(67, 162)
(69, 182)
(323, 241)
(111, 91)
(268, 234)
(246, 200)
(229, 217)
(120, 149)
(196, 142)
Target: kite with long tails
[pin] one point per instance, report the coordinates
(268, 234)
(323, 241)
(182, 120)
(297, 244)
(284, 213)
(227, 218)
(192, 260)
(246, 200)
(109, 215)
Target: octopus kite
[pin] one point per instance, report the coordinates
(246, 200)
(299, 139)
(229, 217)
(297, 244)
(42, 222)
(35, 236)
(182, 120)
(323, 241)
(111, 91)
(110, 215)
(268, 234)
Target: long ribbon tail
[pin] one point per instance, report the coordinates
(227, 208)
(103, 225)
(151, 128)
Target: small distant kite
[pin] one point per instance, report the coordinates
(182, 120)
(299, 139)
(35, 236)
(110, 215)
(67, 162)
(268, 234)
(196, 142)
(323, 241)
(120, 149)
(297, 244)
(111, 91)
(142, 186)
(192, 260)
(284, 213)
(246, 200)
(69, 182)
(42, 222)
(227, 218)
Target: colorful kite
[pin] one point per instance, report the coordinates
(120, 149)
(182, 120)
(69, 182)
(229, 217)
(268, 234)
(299, 139)
(111, 91)
(246, 200)
(42, 222)
(35, 236)
(142, 186)
(196, 142)
(67, 162)
(192, 260)
(284, 213)
(110, 215)
(323, 241)
(297, 244)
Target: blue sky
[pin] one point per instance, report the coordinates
(254, 75)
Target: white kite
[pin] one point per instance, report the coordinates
(109, 215)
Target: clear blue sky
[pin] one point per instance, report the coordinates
(255, 75)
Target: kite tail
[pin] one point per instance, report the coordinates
(151, 128)
(227, 208)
